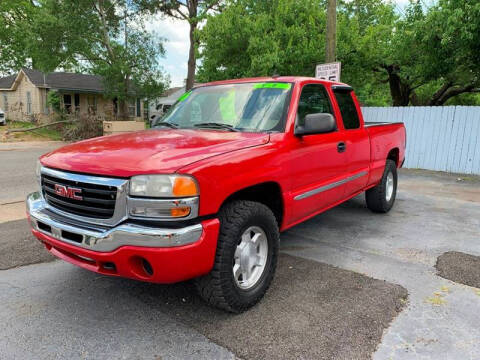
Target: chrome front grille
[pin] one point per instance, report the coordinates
(97, 201)
(87, 198)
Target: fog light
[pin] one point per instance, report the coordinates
(180, 211)
(160, 213)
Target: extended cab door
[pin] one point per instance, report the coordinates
(317, 163)
(356, 139)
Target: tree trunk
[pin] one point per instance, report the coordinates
(447, 92)
(191, 58)
(399, 91)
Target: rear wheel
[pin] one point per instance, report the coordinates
(246, 257)
(381, 197)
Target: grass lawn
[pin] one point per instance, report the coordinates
(46, 133)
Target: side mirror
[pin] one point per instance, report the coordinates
(319, 123)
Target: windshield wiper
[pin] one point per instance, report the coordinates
(215, 125)
(167, 124)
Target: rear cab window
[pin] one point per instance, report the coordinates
(348, 110)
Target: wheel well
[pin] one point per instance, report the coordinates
(268, 194)
(394, 154)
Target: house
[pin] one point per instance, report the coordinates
(23, 97)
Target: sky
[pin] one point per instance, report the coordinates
(175, 33)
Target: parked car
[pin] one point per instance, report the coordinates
(3, 119)
(206, 192)
(158, 112)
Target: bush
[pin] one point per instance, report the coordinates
(85, 127)
(53, 100)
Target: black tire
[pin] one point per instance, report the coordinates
(219, 287)
(377, 196)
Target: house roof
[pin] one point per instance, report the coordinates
(58, 80)
(6, 82)
(65, 80)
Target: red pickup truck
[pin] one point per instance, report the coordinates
(205, 193)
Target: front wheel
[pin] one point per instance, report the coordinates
(381, 197)
(246, 257)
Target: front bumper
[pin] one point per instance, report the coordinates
(128, 250)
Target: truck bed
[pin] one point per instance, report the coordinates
(384, 137)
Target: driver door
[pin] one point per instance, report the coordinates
(317, 162)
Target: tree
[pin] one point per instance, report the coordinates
(416, 57)
(104, 37)
(433, 54)
(107, 37)
(15, 18)
(260, 38)
(193, 11)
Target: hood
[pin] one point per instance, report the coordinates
(155, 151)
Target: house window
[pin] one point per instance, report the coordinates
(29, 103)
(138, 108)
(67, 102)
(92, 104)
(5, 102)
(131, 108)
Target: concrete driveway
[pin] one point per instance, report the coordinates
(54, 310)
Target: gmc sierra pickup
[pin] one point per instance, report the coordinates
(206, 192)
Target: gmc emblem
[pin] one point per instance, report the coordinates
(68, 192)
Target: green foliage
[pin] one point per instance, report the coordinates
(53, 100)
(287, 37)
(15, 16)
(259, 38)
(420, 57)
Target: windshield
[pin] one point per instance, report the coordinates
(233, 107)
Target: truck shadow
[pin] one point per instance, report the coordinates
(312, 310)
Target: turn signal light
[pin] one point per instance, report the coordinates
(184, 186)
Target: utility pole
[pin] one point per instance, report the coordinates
(331, 31)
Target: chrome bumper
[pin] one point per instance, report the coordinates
(94, 237)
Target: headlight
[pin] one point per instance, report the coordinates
(164, 197)
(166, 186)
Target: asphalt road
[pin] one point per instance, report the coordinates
(55, 310)
(17, 168)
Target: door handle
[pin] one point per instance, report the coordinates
(341, 147)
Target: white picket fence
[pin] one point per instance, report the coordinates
(441, 138)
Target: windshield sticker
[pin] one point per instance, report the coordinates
(272, 85)
(227, 107)
(184, 96)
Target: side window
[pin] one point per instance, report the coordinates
(29, 103)
(313, 99)
(347, 109)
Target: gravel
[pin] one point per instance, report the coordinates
(459, 267)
